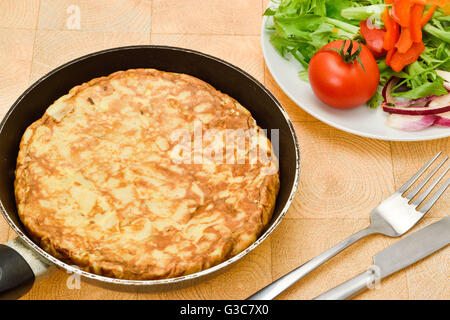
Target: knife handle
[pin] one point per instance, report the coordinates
(350, 288)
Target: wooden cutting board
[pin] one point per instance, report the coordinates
(342, 176)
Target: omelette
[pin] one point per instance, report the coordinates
(131, 176)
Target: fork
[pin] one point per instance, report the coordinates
(393, 217)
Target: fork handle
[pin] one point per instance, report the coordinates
(278, 286)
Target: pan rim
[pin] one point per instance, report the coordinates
(261, 238)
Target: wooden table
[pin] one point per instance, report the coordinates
(343, 176)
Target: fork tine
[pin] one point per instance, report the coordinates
(425, 194)
(414, 178)
(427, 206)
(413, 193)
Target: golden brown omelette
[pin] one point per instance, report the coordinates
(115, 179)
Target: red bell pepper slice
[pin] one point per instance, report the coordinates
(401, 12)
(405, 41)
(389, 55)
(392, 30)
(416, 27)
(400, 60)
(427, 15)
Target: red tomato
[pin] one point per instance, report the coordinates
(343, 84)
(374, 38)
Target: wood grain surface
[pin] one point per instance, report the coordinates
(343, 176)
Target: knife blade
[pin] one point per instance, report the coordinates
(414, 247)
(401, 254)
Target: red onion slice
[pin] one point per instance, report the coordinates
(386, 92)
(443, 119)
(440, 101)
(446, 76)
(410, 123)
(388, 98)
(417, 114)
(416, 110)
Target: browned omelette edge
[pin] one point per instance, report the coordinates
(268, 194)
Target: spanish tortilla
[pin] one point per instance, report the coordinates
(99, 182)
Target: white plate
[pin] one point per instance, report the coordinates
(361, 120)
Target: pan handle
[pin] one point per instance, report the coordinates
(20, 267)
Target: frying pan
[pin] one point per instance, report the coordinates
(23, 262)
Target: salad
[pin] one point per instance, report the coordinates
(393, 54)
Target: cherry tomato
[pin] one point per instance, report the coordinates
(338, 79)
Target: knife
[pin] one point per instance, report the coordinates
(401, 254)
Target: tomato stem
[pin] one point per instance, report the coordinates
(347, 55)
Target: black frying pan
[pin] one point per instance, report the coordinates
(21, 260)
